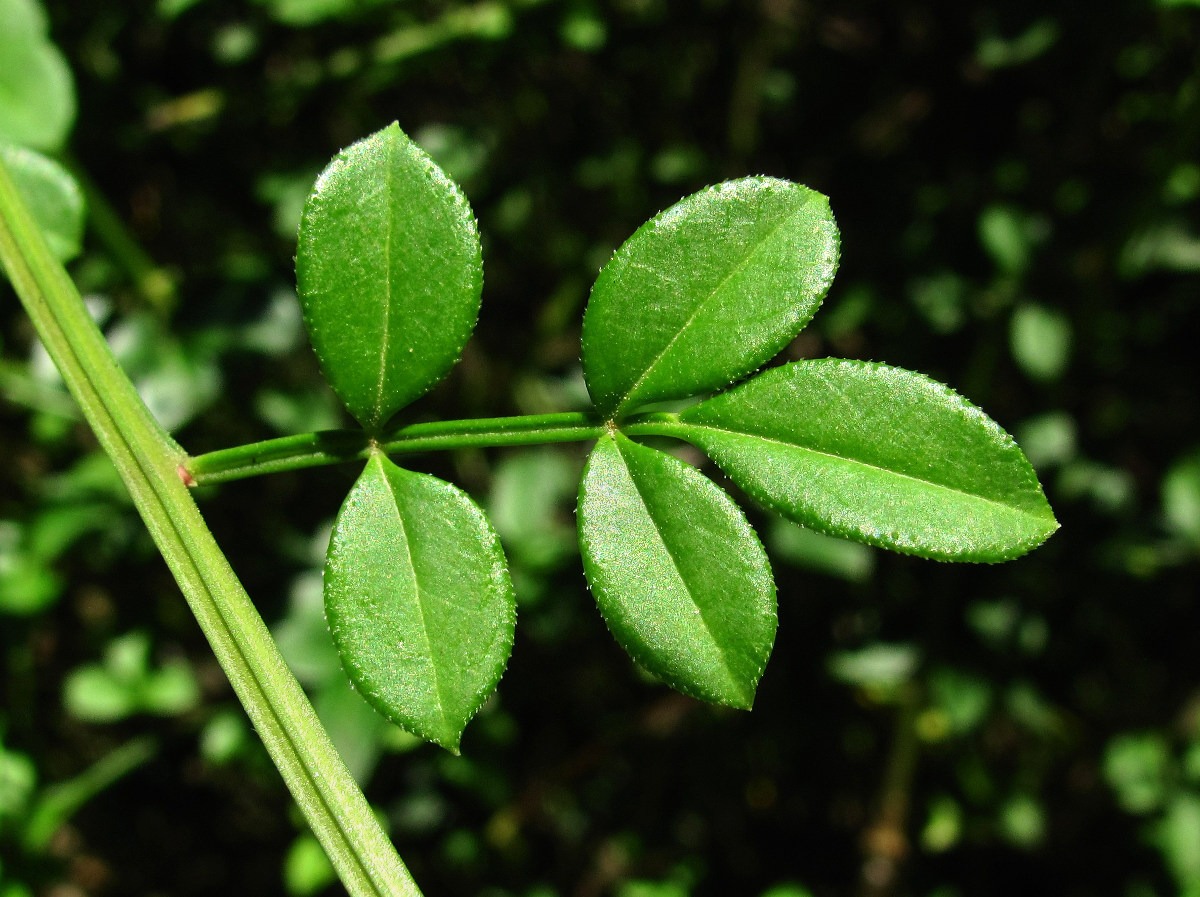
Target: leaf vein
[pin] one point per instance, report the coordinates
(700, 306)
(412, 568)
(676, 567)
(856, 461)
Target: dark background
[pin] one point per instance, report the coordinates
(1017, 186)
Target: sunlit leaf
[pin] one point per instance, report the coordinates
(707, 291)
(419, 600)
(389, 273)
(679, 575)
(877, 454)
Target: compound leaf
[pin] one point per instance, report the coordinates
(707, 291)
(418, 599)
(680, 577)
(389, 271)
(877, 454)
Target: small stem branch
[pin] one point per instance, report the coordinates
(339, 446)
(533, 429)
(276, 455)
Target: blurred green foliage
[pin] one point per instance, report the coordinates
(1017, 188)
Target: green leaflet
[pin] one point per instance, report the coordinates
(37, 95)
(419, 600)
(679, 575)
(706, 292)
(389, 271)
(878, 454)
(53, 196)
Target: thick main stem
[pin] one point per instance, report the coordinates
(150, 463)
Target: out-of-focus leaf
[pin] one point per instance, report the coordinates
(27, 585)
(1023, 821)
(942, 300)
(964, 699)
(303, 634)
(943, 826)
(306, 868)
(582, 29)
(93, 695)
(1049, 439)
(788, 890)
(812, 550)
(59, 802)
(37, 94)
(51, 194)
(224, 737)
(304, 13)
(1181, 497)
(175, 380)
(997, 52)
(529, 506)
(881, 666)
(1027, 706)
(1041, 341)
(354, 727)
(18, 779)
(1111, 489)
(126, 683)
(1162, 246)
(1137, 767)
(1004, 233)
(170, 690)
(1176, 836)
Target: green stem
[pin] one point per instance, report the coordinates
(150, 463)
(337, 446)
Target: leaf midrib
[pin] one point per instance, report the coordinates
(412, 569)
(385, 339)
(729, 671)
(704, 302)
(855, 461)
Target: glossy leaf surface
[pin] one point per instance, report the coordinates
(878, 454)
(680, 577)
(418, 599)
(52, 195)
(707, 291)
(389, 272)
